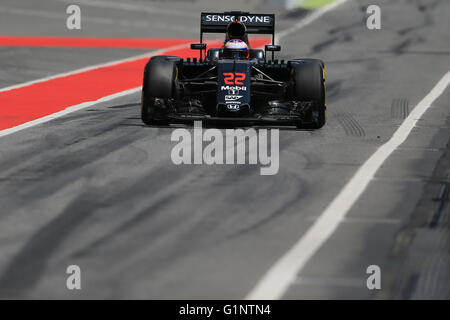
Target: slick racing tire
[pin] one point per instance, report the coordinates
(309, 80)
(158, 86)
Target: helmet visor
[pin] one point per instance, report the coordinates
(235, 53)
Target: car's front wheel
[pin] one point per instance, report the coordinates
(309, 81)
(157, 87)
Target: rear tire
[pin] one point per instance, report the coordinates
(158, 86)
(309, 79)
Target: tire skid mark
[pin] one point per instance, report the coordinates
(350, 125)
(161, 198)
(94, 125)
(427, 21)
(400, 108)
(176, 239)
(56, 163)
(298, 186)
(334, 88)
(211, 220)
(27, 267)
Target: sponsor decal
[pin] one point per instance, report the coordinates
(238, 88)
(234, 78)
(233, 107)
(257, 19)
(232, 97)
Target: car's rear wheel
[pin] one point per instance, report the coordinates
(309, 80)
(157, 87)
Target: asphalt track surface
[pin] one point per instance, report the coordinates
(97, 188)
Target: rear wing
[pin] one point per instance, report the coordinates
(255, 23)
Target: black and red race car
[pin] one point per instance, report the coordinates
(234, 83)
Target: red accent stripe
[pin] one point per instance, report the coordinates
(259, 42)
(19, 41)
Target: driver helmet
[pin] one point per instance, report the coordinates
(236, 49)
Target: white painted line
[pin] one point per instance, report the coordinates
(93, 67)
(363, 220)
(283, 273)
(68, 110)
(316, 14)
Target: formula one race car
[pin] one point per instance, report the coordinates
(235, 82)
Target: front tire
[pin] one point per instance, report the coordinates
(309, 79)
(158, 86)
